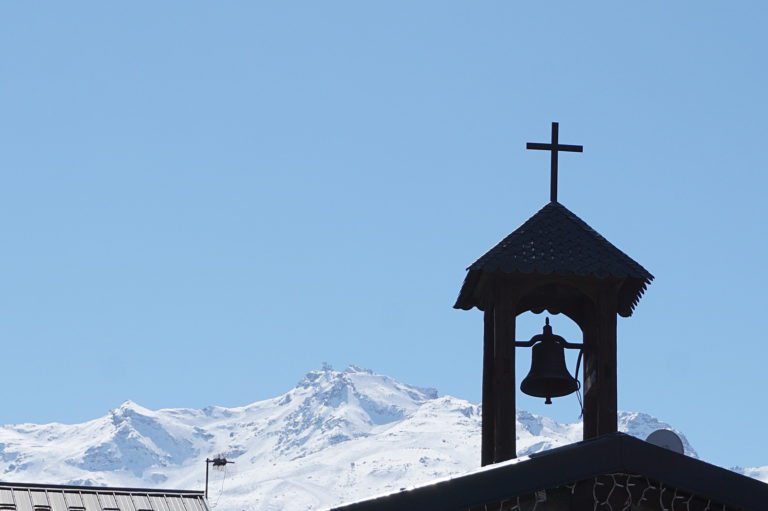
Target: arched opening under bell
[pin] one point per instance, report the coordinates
(591, 304)
(566, 408)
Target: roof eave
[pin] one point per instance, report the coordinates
(612, 453)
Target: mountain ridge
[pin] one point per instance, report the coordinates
(336, 436)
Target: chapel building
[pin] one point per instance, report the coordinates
(556, 263)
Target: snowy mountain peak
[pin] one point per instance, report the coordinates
(336, 436)
(129, 409)
(360, 386)
(328, 407)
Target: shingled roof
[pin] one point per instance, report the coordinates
(556, 241)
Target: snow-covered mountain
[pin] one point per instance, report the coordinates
(337, 436)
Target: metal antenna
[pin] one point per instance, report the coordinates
(218, 461)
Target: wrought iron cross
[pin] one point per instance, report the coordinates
(554, 147)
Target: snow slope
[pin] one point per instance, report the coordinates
(337, 436)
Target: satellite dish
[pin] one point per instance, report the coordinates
(666, 439)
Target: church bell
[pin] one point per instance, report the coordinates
(548, 377)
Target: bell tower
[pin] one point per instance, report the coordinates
(557, 263)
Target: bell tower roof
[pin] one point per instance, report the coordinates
(556, 241)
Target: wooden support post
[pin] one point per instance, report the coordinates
(488, 439)
(607, 416)
(504, 383)
(600, 383)
(589, 376)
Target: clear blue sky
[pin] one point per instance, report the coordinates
(201, 201)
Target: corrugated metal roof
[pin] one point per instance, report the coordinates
(556, 241)
(39, 497)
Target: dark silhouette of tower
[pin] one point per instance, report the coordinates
(554, 262)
